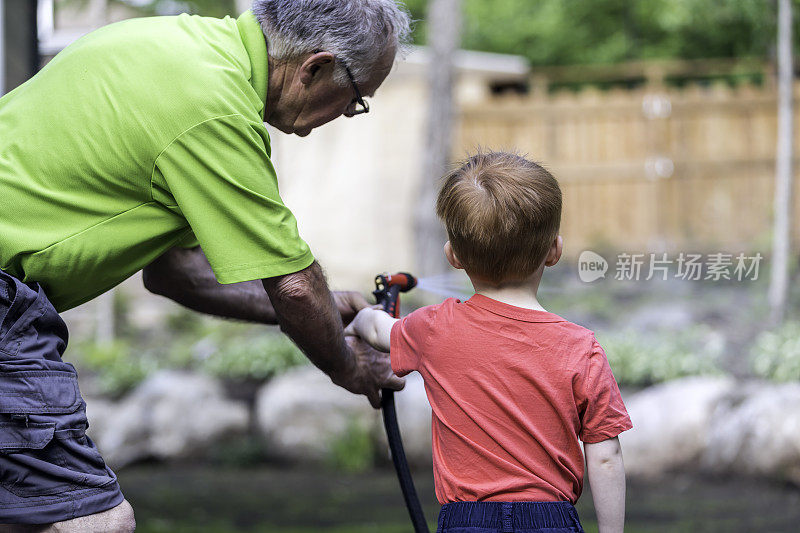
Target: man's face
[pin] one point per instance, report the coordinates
(314, 99)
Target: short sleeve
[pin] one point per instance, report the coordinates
(188, 241)
(602, 413)
(408, 338)
(222, 179)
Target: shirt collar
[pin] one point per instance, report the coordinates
(512, 311)
(256, 45)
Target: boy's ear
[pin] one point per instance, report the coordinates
(451, 256)
(555, 252)
(312, 65)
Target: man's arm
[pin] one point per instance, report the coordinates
(307, 313)
(306, 310)
(607, 478)
(184, 275)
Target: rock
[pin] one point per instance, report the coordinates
(757, 431)
(302, 414)
(414, 419)
(672, 424)
(170, 415)
(101, 414)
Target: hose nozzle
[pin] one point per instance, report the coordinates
(404, 280)
(388, 288)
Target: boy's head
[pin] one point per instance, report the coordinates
(502, 214)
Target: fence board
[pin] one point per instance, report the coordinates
(648, 169)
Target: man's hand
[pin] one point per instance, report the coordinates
(308, 314)
(349, 303)
(371, 373)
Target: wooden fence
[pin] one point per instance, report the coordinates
(650, 169)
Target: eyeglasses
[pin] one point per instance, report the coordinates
(362, 106)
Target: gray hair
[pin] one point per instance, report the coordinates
(356, 32)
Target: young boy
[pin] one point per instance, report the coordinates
(513, 387)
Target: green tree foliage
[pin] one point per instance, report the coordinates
(209, 8)
(564, 32)
(561, 32)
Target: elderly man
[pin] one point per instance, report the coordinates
(143, 146)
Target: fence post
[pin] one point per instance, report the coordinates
(779, 273)
(444, 38)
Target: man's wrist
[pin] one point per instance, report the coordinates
(346, 368)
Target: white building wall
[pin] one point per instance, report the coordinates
(352, 183)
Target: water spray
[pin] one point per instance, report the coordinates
(451, 284)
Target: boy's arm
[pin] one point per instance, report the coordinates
(607, 478)
(374, 327)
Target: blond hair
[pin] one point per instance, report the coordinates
(502, 213)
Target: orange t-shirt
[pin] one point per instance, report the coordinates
(513, 391)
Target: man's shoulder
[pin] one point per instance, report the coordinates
(180, 58)
(169, 37)
(166, 73)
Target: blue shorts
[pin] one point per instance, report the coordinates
(49, 469)
(509, 517)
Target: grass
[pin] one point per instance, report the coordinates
(201, 499)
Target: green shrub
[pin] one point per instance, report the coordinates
(185, 322)
(639, 359)
(231, 353)
(256, 358)
(776, 354)
(598, 304)
(115, 368)
(354, 451)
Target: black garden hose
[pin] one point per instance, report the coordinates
(401, 463)
(387, 294)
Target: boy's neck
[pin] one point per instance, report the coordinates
(517, 293)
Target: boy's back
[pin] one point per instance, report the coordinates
(512, 391)
(513, 387)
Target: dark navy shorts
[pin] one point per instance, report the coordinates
(509, 517)
(49, 469)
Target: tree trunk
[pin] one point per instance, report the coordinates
(243, 5)
(779, 273)
(105, 327)
(444, 30)
(20, 46)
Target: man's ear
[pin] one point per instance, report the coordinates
(555, 252)
(451, 256)
(313, 64)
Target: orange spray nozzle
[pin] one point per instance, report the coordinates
(388, 288)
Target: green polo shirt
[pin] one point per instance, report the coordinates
(141, 136)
